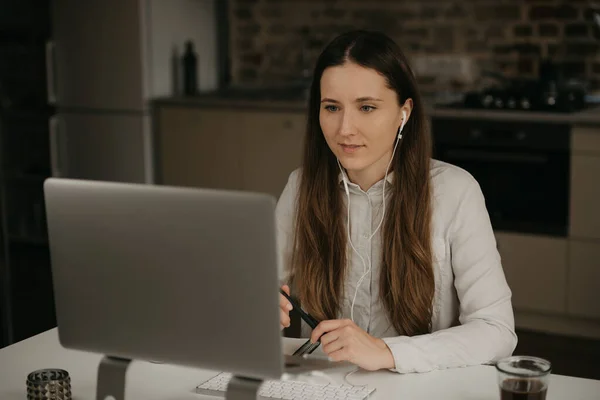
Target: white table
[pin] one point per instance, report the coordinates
(150, 381)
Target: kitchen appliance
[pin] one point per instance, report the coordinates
(526, 95)
(106, 61)
(523, 169)
(552, 91)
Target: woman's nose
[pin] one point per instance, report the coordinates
(347, 127)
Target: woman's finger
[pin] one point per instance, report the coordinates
(284, 303)
(284, 318)
(332, 346)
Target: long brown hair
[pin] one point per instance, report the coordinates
(319, 259)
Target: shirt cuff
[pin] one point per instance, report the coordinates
(408, 358)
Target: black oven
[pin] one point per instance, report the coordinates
(522, 168)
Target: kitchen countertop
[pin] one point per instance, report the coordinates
(588, 116)
(218, 101)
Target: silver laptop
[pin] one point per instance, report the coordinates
(179, 275)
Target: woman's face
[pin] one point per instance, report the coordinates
(360, 117)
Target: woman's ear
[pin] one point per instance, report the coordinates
(406, 110)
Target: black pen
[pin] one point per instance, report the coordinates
(308, 347)
(304, 315)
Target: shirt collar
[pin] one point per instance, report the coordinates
(342, 174)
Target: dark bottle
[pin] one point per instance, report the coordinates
(190, 61)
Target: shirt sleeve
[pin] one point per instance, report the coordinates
(486, 331)
(285, 213)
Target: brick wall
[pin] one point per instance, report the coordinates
(268, 36)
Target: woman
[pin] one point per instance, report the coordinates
(413, 283)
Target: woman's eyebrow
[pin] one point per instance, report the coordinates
(358, 100)
(367, 98)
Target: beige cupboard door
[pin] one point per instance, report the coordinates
(272, 144)
(536, 270)
(584, 279)
(200, 147)
(585, 196)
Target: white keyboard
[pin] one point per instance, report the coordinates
(289, 390)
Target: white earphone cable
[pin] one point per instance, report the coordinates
(375, 231)
(349, 238)
(365, 270)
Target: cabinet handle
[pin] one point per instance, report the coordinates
(50, 77)
(54, 147)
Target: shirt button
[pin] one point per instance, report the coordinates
(365, 236)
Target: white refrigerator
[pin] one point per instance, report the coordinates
(106, 61)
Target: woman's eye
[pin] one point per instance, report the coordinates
(367, 108)
(331, 108)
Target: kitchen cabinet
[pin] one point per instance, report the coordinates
(271, 149)
(252, 150)
(535, 268)
(585, 196)
(199, 147)
(26, 293)
(25, 273)
(585, 139)
(584, 279)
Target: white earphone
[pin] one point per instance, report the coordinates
(401, 126)
(366, 271)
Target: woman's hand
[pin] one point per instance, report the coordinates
(284, 308)
(343, 340)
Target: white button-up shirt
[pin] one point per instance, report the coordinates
(472, 321)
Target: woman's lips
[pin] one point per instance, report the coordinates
(350, 148)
